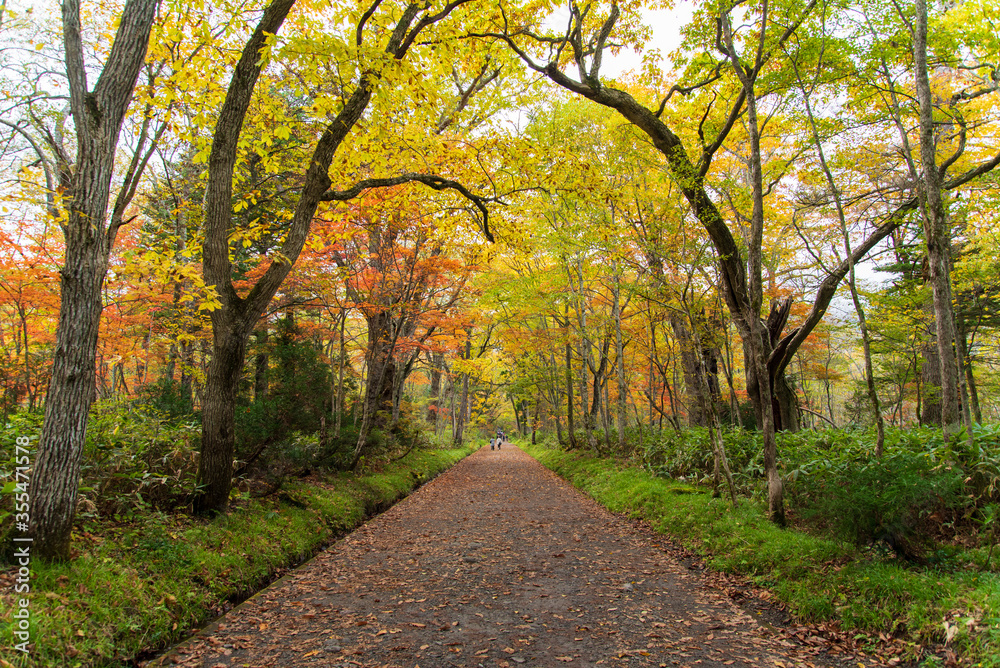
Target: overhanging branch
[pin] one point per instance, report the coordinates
(430, 180)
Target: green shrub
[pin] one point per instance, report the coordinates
(834, 480)
(688, 454)
(866, 500)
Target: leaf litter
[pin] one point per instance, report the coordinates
(499, 562)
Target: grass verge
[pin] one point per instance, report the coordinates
(948, 607)
(138, 588)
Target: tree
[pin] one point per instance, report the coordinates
(98, 115)
(400, 272)
(767, 351)
(380, 41)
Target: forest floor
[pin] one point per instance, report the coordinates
(499, 562)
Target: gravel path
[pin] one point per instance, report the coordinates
(497, 562)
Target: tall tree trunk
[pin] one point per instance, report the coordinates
(453, 391)
(619, 362)
(382, 377)
(929, 400)
(28, 387)
(710, 407)
(433, 408)
(56, 473)
(534, 422)
(694, 386)
(598, 405)
(517, 413)
(338, 397)
(569, 396)
(98, 117)
(650, 376)
(970, 380)
(186, 383)
(555, 398)
(936, 228)
(963, 391)
(759, 337)
(463, 409)
(727, 370)
(584, 413)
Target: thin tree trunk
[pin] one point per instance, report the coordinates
(454, 418)
(534, 423)
(569, 397)
(338, 397)
(970, 380)
(694, 386)
(261, 363)
(727, 370)
(620, 363)
(755, 335)
(588, 426)
(433, 406)
(556, 401)
(464, 406)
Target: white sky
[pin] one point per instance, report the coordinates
(666, 25)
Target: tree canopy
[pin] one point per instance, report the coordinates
(448, 217)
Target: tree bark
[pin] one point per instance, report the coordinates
(569, 396)
(382, 377)
(215, 467)
(338, 398)
(936, 229)
(534, 422)
(554, 393)
(929, 403)
(98, 116)
(463, 409)
(970, 380)
(261, 362)
(694, 386)
(619, 361)
(433, 408)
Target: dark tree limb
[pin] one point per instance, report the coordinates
(430, 180)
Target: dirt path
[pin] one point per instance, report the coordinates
(497, 562)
